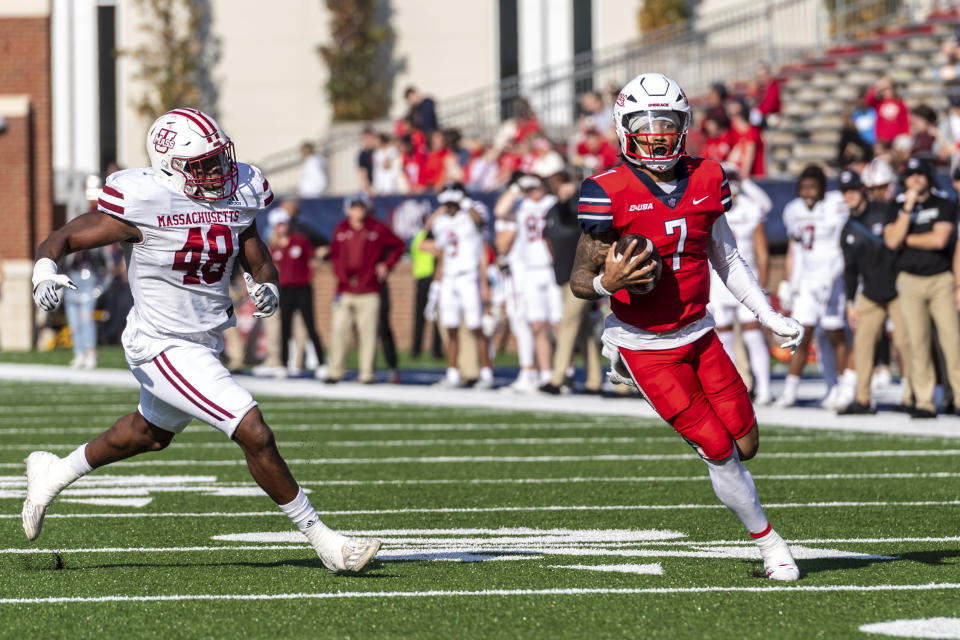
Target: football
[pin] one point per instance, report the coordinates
(624, 242)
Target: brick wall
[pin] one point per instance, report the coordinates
(15, 185)
(25, 70)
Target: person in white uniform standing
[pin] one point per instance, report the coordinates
(747, 219)
(814, 221)
(455, 227)
(188, 220)
(527, 206)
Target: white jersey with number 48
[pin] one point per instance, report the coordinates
(180, 273)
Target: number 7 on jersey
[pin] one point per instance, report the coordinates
(670, 226)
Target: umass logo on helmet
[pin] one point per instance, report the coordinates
(163, 141)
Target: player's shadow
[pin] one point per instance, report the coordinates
(821, 565)
(303, 563)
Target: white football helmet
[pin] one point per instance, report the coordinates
(652, 117)
(190, 150)
(877, 174)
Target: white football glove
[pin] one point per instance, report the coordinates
(265, 296)
(47, 284)
(433, 301)
(784, 327)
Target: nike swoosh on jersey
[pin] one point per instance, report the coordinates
(697, 201)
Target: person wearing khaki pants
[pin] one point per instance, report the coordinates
(362, 253)
(922, 232)
(870, 268)
(360, 310)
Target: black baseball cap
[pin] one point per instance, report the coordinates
(850, 181)
(918, 165)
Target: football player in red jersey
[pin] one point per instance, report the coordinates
(663, 341)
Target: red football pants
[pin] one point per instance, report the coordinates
(696, 388)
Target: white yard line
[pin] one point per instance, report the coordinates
(485, 592)
(389, 532)
(506, 509)
(810, 418)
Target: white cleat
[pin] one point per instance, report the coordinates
(778, 562)
(786, 400)
(40, 492)
(762, 399)
(340, 554)
(483, 384)
(833, 399)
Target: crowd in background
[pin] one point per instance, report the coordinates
(515, 258)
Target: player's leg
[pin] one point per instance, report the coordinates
(758, 353)
(449, 319)
(834, 323)
(514, 305)
(48, 474)
(471, 306)
(670, 381)
(798, 360)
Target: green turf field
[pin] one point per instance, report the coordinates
(494, 524)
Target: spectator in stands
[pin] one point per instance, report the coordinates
(950, 126)
(313, 175)
(544, 160)
(922, 234)
(296, 259)
(434, 171)
(413, 160)
(928, 141)
(480, 173)
(388, 174)
(716, 142)
(767, 99)
(422, 114)
(521, 125)
(362, 253)
(893, 117)
(595, 114)
(716, 104)
(370, 142)
(854, 151)
(562, 232)
(594, 153)
(747, 151)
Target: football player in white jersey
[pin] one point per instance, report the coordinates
(462, 268)
(814, 221)
(747, 220)
(188, 221)
(527, 206)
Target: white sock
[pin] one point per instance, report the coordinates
(453, 375)
(849, 379)
(486, 373)
(78, 461)
(759, 360)
(733, 484)
(728, 340)
(302, 512)
(790, 385)
(524, 338)
(546, 375)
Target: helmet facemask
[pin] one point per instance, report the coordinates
(655, 140)
(211, 176)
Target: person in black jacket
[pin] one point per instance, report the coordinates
(868, 262)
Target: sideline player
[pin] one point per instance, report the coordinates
(814, 221)
(664, 341)
(187, 220)
(747, 220)
(462, 268)
(527, 203)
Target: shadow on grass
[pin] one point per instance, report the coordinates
(930, 558)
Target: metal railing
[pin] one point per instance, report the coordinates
(721, 46)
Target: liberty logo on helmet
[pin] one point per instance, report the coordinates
(163, 141)
(621, 99)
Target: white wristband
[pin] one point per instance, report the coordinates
(598, 286)
(43, 269)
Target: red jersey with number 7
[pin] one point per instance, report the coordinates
(678, 220)
(180, 273)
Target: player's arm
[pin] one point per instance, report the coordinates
(475, 214)
(895, 233)
(506, 202)
(598, 270)
(88, 231)
(260, 274)
(739, 279)
(505, 232)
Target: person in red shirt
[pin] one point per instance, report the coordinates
(716, 143)
(766, 97)
(893, 116)
(747, 151)
(363, 252)
(295, 258)
(433, 173)
(663, 341)
(594, 152)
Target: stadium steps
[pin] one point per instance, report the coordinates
(817, 92)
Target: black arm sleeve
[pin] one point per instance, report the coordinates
(851, 272)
